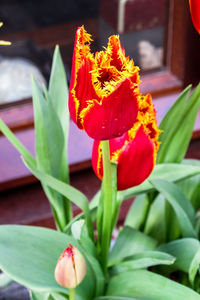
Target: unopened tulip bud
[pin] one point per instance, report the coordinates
(71, 268)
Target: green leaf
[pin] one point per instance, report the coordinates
(49, 136)
(58, 90)
(177, 127)
(68, 191)
(194, 267)
(181, 206)
(118, 298)
(129, 242)
(38, 296)
(184, 250)
(143, 260)
(155, 223)
(191, 186)
(46, 296)
(88, 245)
(29, 255)
(58, 94)
(145, 284)
(170, 172)
(5, 280)
(76, 229)
(138, 212)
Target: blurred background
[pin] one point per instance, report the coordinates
(35, 27)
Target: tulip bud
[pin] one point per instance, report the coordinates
(71, 268)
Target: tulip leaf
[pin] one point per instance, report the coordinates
(58, 90)
(177, 126)
(88, 245)
(184, 250)
(191, 186)
(74, 195)
(49, 143)
(194, 266)
(58, 95)
(46, 296)
(137, 213)
(143, 260)
(180, 204)
(170, 172)
(5, 280)
(145, 284)
(129, 242)
(118, 298)
(155, 222)
(29, 255)
(49, 136)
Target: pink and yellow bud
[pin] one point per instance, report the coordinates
(71, 268)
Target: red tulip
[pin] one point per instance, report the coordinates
(71, 268)
(103, 96)
(135, 152)
(195, 13)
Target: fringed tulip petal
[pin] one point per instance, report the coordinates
(83, 90)
(103, 96)
(113, 116)
(135, 151)
(136, 158)
(195, 13)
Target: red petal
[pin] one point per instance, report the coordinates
(83, 91)
(81, 88)
(136, 161)
(117, 52)
(195, 13)
(114, 116)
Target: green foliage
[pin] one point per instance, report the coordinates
(177, 126)
(29, 256)
(68, 191)
(180, 204)
(129, 242)
(143, 260)
(144, 284)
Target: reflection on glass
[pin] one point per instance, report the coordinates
(35, 28)
(140, 25)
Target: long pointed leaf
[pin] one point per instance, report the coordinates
(66, 190)
(181, 206)
(145, 284)
(170, 172)
(177, 127)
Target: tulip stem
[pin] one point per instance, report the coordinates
(107, 204)
(72, 295)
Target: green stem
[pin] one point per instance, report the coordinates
(107, 204)
(72, 295)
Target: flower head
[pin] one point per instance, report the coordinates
(71, 268)
(195, 13)
(103, 96)
(135, 152)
